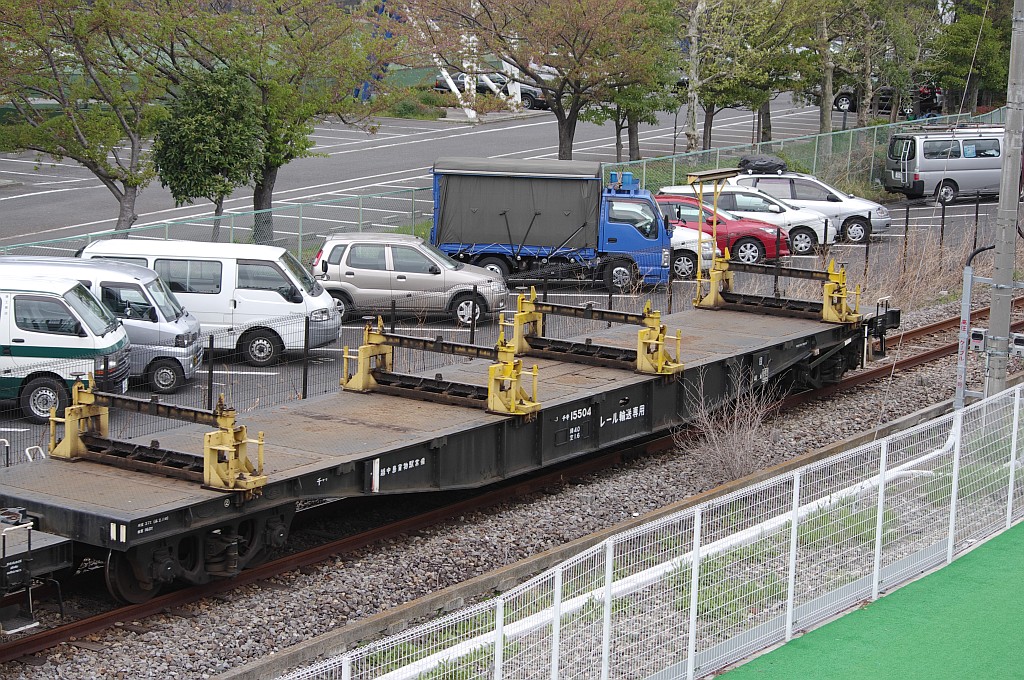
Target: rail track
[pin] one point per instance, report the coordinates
(940, 339)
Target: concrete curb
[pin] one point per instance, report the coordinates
(458, 116)
(399, 618)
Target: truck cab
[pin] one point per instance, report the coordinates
(636, 239)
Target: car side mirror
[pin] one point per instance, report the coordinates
(293, 295)
(323, 265)
(832, 198)
(434, 269)
(773, 208)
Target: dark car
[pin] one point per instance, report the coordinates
(531, 97)
(929, 96)
(749, 241)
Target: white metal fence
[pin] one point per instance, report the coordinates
(688, 594)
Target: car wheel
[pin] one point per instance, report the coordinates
(464, 308)
(856, 230)
(684, 265)
(529, 102)
(166, 376)
(748, 251)
(343, 304)
(802, 241)
(844, 102)
(620, 276)
(40, 395)
(495, 265)
(947, 192)
(261, 347)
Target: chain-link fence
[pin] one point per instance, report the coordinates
(686, 595)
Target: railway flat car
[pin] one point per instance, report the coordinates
(197, 505)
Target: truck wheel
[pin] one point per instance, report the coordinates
(40, 395)
(684, 265)
(845, 102)
(620, 276)
(947, 192)
(342, 302)
(261, 347)
(495, 264)
(856, 230)
(802, 241)
(464, 308)
(528, 101)
(166, 376)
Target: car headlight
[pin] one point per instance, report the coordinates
(320, 315)
(882, 212)
(769, 230)
(666, 257)
(109, 362)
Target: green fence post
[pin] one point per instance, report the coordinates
(874, 147)
(643, 172)
(718, 158)
(849, 154)
(360, 214)
(814, 161)
(412, 213)
(673, 170)
(300, 232)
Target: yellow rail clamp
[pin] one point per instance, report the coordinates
(720, 280)
(836, 298)
(226, 464)
(372, 354)
(651, 355)
(526, 322)
(505, 393)
(82, 415)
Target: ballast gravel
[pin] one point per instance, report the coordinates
(217, 635)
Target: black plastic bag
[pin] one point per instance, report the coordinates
(762, 164)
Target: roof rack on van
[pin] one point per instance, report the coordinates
(925, 128)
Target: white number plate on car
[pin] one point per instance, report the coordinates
(897, 175)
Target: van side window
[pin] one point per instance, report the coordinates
(639, 215)
(807, 190)
(190, 276)
(262, 276)
(366, 256)
(942, 148)
(125, 300)
(981, 148)
(410, 260)
(44, 315)
(779, 187)
(335, 255)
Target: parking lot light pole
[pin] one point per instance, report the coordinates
(1006, 216)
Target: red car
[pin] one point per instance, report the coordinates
(748, 241)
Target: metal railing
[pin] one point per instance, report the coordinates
(688, 594)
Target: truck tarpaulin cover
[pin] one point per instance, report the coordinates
(539, 203)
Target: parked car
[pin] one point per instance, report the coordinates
(748, 241)
(945, 162)
(856, 218)
(806, 228)
(366, 272)
(930, 97)
(531, 97)
(686, 243)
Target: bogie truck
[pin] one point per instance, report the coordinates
(544, 217)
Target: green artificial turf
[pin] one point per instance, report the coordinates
(963, 621)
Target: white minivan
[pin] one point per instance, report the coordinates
(166, 347)
(252, 298)
(53, 331)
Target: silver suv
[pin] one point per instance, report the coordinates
(366, 272)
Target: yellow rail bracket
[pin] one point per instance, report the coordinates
(82, 415)
(505, 392)
(526, 322)
(226, 464)
(372, 354)
(651, 355)
(720, 280)
(836, 298)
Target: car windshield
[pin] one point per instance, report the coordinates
(442, 257)
(164, 298)
(98, 318)
(306, 280)
(722, 213)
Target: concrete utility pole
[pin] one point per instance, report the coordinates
(1006, 218)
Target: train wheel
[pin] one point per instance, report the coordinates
(122, 582)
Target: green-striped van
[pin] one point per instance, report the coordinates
(53, 331)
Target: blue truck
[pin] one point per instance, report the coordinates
(545, 218)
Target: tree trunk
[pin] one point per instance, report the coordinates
(262, 202)
(633, 125)
(566, 133)
(126, 208)
(765, 113)
(693, 75)
(868, 102)
(618, 135)
(828, 67)
(218, 211)
(709, 119)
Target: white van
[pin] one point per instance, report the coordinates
(807, 228)
(53, 331)
(241, 293)
(166, 347)
(944, 161)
